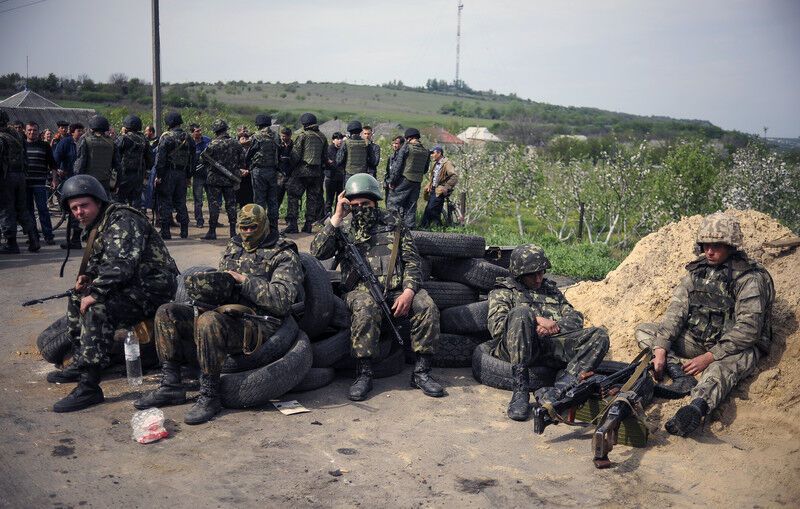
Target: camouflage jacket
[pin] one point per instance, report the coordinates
(274, 274)
(175, 151)
(547, 301)
(728, 308)
(376, 248)
(135, 154)
(129, 257)
(263, 151)
(227, 152)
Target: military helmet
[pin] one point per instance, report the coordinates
(99, 123)
(362, 185)
(354, 126)
(173, 119)
(216, 288)
(411, 132)
(132, 123)
(219, 125)
(263, 120)
(3, 118)
(722, 228)
(308, 119)
(527, 259)
(82, 185)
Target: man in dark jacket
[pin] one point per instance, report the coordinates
(135, 159)
(40, 170)
(405, 177)
(13, 206)
(65, 154)
(175, 160)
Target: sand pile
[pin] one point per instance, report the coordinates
(640, 289)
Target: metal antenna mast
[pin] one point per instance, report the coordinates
(458, 43)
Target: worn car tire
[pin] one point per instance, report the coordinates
(54, 342)
(447, 294)
(469, 319)
(316, 378)
(270, 350)
(318, 297)
(391, 365)
(329, 351)
(425, 268)
(474, 272)
(496, 373)
(258, 386)
(455, 350)
(341, 314)
(180, 293)
(349, 363)
(454, 245)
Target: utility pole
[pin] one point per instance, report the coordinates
(156, 68)
(458, 44)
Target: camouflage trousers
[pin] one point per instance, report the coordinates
(574, 352)
(172, 196)
(403, 199)
(366, 319)
(312, 187)
(215, 196)
(719, 378)
(92, 333)
(207, 342)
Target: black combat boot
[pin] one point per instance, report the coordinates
(688, 418)
(307, 227)
(86, 394)
(233, 230)
(208, 403)
(291, 227)
(33, 242)
(679, 378)
(10, 246)
(185, 231)
(519, 408)
(63, 376)
(211, 234)
(166, 234)
(421, 377)
(552, 394)
(169, 392)
(363, 383)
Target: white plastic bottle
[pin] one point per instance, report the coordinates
(133, 361)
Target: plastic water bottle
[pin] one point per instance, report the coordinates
(133, 362)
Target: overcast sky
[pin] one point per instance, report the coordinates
(733, 62)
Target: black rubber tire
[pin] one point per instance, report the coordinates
(448, 294)
(455, 350)
(271, 350)
(341, 314)
(180, 293)
(318, 297)
(316, 378)
(257, 387)
(469, 319)
(454, 245)
(54, 342)
(391, 365)
(329, 351)
(496, 373)
(474, 272)
(608, 367)
(425, 267)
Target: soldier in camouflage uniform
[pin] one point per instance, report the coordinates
(129, 274)
(266, 277)
(230, 154)
(405, 177)
(97, 155)
(262, 160)
(533, 324)
(13, 204)
(284, 162)
(308, 155)
(353, 153)
(719, 318)
(373, 232)
(136, 159)
(175, 160)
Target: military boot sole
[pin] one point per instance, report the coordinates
(685, 421)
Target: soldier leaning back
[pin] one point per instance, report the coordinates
(260, 271)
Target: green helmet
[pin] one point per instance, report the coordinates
(362, 185)
(527, 259)
(219, 125)
(722, 228)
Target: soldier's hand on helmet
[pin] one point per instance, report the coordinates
(86, 301)
(82, 283)
(342, 209)
(239, 278)
(659, 361)
(698, 364)
(402, 305)
(550, 326)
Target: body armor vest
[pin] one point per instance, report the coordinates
(133, 154)
(101, 156)
(711, 303)
(416, 160)
(267, 155)
(312, 148)
(180, 157)
(15, 154)
(356, 156)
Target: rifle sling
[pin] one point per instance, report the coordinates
(87, 251)
(392, 260)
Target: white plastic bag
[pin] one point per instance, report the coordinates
(148, 426)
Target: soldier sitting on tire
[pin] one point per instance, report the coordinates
(373, 231)
(259, 274)
(532, 323)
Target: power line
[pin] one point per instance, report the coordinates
(21, 6)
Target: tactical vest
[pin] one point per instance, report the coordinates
(543, 302)
(356, 156)
(267, 155)
(133, 155)
(377, 251)
(416, 162)
(14, 160)
(181, 155)
(312, 147)
(101, 156)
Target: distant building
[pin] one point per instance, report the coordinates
(440, 136)
(332, 126)
(29, 106)
(477, 135)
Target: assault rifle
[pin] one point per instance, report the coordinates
(366, 275)
(50, 297)
(225, 172)
(238, 313)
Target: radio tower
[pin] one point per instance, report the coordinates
(458, 43)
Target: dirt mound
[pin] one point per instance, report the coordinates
(639, 291)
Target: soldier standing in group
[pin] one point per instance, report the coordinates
(373, 151)
(406, 176)
(378, 235)
(397, 144)
(128, 274)
(353, 153)
(198, 174)
(532, 323)
(97, 155)
(308, 154)
(334, 174)
(720, 318)
(259, 271)
(284, 162)
(442, 179)
(13, 203)
(136, 158)
(175, 160)
(229, 153)
(262, 160)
